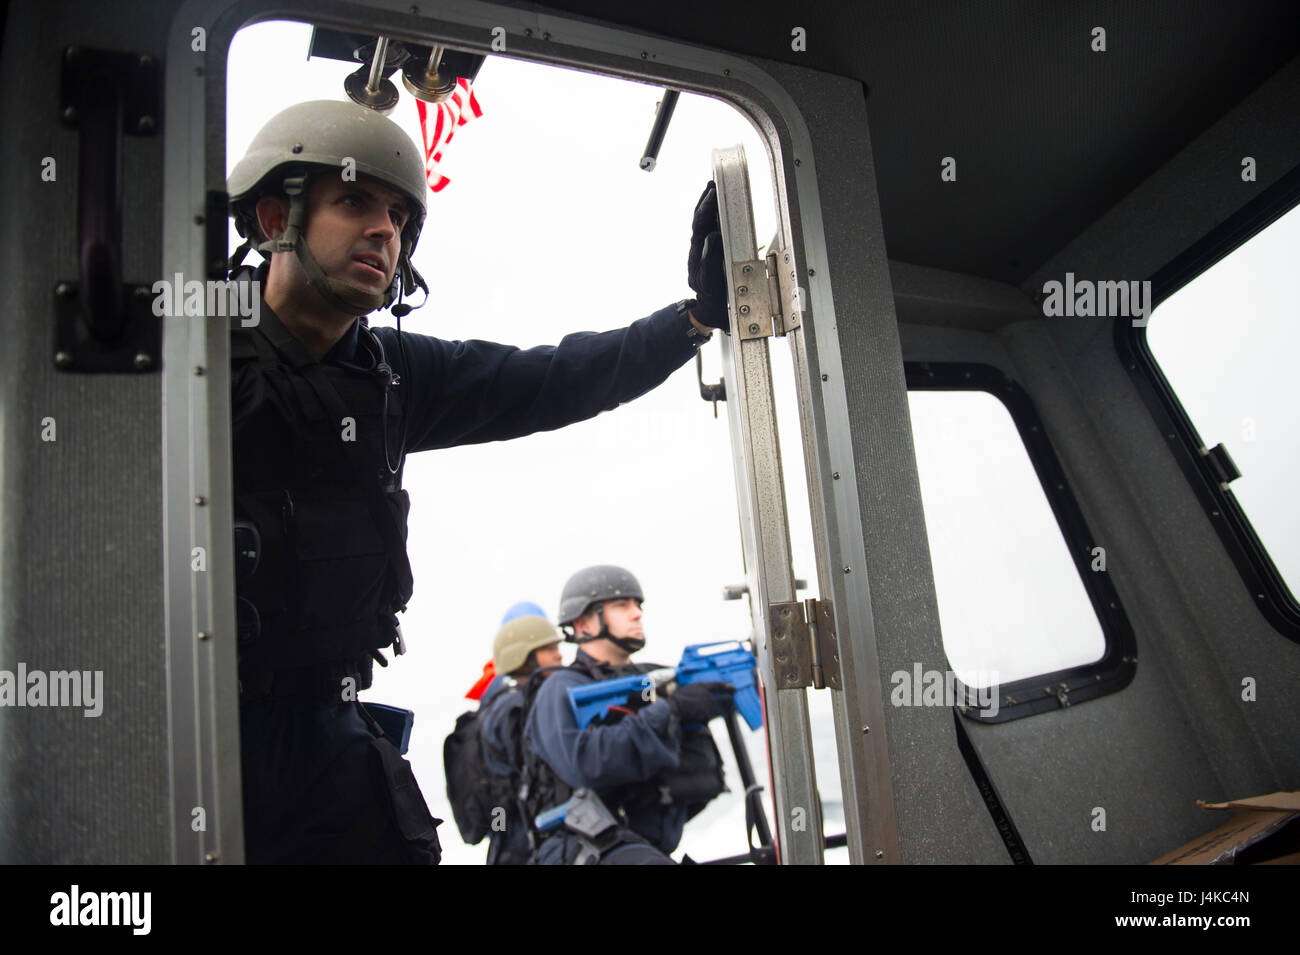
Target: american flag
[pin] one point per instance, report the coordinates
(452, 113)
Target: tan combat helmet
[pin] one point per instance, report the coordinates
(329, 137)
(518, 638)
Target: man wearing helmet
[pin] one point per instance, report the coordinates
(325, 409)
(523, 646)
(639, 760)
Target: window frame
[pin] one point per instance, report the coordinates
(1265, 584)
(1058, 689)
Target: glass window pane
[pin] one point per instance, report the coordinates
(1226, 341)
(1010, 598)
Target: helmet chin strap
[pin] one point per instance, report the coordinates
(337, 294)
(627, 644)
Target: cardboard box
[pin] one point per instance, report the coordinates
(1258, 823)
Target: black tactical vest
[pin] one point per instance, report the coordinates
(695, 781)
(310, 474)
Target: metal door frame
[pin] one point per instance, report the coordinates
(202, 687)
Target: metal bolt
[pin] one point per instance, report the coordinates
(746, 269)
(199, 220)
(644, 54)
(200, 501)
(726, 72)
(141, 291)
(296, 148)
(528, 31)
(753, 328)
(210, 857)
(146, 61)
(743, 290)
(63, 290)
(796, 162)
(866, 729)
(546, 36)
(70, 114)
(880, 854)
(62, 359)
(835, 475)
(812, 272)
(145, 124)
(744, 310)
(143, 361)
(848, 569)
(204, 634)
(198, 370)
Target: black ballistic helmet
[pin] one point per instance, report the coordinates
(593, 585)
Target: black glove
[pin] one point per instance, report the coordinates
(706, 271)
(701, 702)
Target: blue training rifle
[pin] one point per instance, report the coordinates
(703, 662)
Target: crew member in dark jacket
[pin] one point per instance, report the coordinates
(639, 760)
(324, 411)
(522, 646)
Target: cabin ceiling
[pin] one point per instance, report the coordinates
(1046, 133)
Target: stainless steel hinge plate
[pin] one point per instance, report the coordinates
(781, 265)
(767, 296)
(804, 648)
(754, 305)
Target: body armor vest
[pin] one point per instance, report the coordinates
(696, 779)
(311, 475)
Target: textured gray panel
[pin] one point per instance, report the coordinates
(80, 547)
(1180, 731)
(1192, 193)
(1047, 133)
(936, 822)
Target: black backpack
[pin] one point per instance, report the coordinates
(472, 791)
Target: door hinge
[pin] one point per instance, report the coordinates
(768, 300)
(804, 647)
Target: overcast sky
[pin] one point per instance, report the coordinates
(549, 226)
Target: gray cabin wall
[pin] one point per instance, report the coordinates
(1135, 753)
(1180, 731)
(80, 516)
(940, 818)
